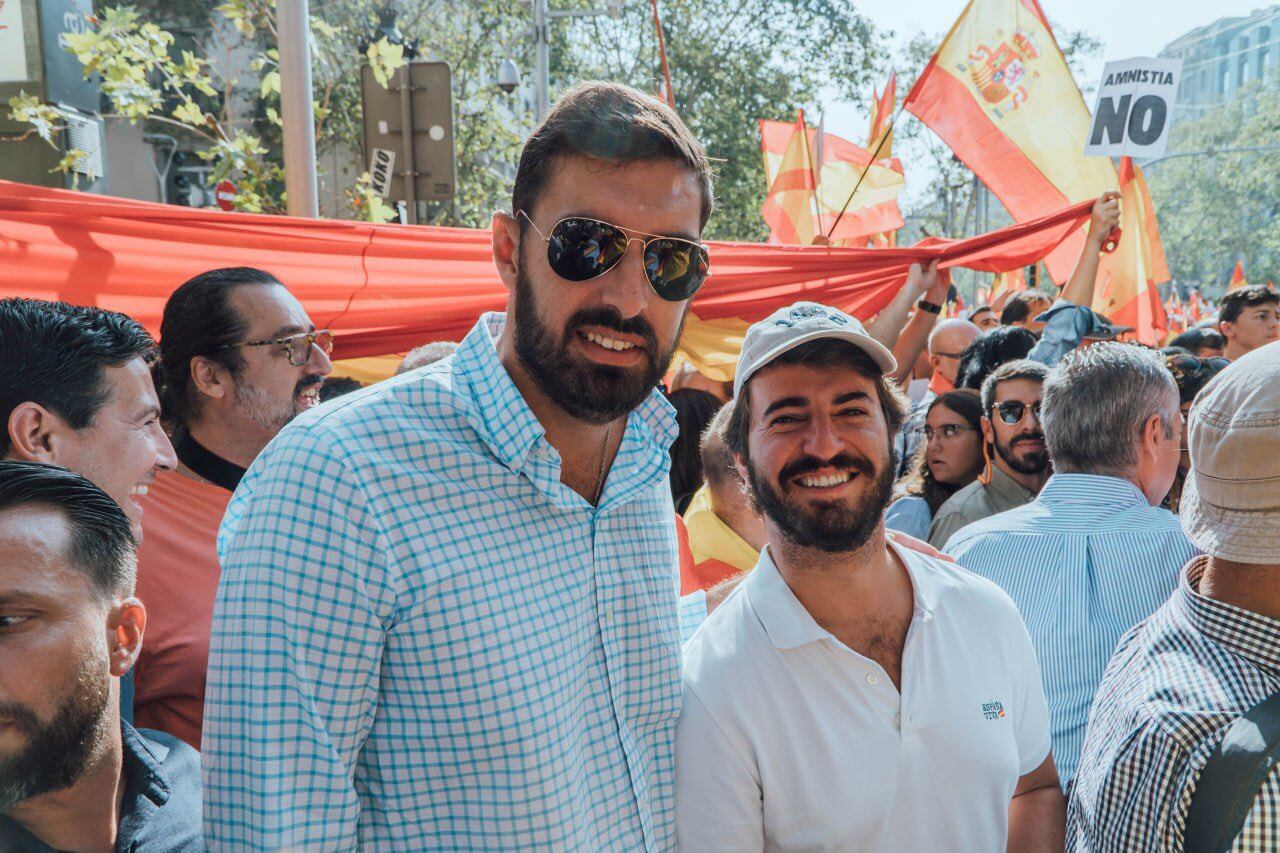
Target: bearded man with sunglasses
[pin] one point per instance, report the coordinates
(1017, 463)
(448, 614)
(1094, 554)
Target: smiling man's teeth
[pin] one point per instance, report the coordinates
(824, 482)
(138, 490)
(608, 343)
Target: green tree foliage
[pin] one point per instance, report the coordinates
(1217, 208)
(732, 62)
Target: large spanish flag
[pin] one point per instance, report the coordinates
(872, 210)
(999, 92)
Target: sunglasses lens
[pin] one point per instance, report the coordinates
(1011, 413)
(581, 249)
(676, 268)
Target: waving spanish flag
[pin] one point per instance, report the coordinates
(999, 92)
(1237, 277)
(809, 183)
(1127, 289)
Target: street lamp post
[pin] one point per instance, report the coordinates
(300, 183)
(542, 17)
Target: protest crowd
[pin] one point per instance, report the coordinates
(998, 581)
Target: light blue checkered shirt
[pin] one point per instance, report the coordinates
(423, 640)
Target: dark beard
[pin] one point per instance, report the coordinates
(58, 752)
(1033, 464)
(592, 393)
(832, 527)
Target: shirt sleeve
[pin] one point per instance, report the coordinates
(908, 515)
(719, 805)
(692, 613)
(1065, 329)
(944, 526)
(1031, 725)
(295, 653)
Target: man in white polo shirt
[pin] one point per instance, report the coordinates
(851, 694)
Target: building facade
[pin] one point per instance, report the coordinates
(1222, 58)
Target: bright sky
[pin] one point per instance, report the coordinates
(1126, 28)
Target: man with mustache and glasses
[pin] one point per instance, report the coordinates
(73, 774)
(448, 613)
(239, 359)
(1017, 463)
(1094, 554)
(851, 694)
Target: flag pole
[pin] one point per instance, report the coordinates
(884, 137)
(662, 52)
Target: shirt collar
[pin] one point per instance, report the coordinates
(1252, 636)
(497, 411)
(143, 765)
(1009, 489)
(787, 622)
(1093, 488)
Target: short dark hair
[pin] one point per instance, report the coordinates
(53, 354)
(102, 543)
(610, 122)
(1023, 368)
(824, 352)
(1018, 307)
(1193, 340)
(694, 411)
(989, 350)
(199, 321)
(1232, 305)
(338, 386)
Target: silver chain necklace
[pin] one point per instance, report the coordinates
(604, 455)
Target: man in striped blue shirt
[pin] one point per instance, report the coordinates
(1093, 554)
(447, 618)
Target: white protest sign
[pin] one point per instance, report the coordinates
(380, 166)
(1134, 110)
(13, 53)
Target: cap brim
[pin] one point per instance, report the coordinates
(877, 351)
(1240, 535)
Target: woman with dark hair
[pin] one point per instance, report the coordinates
(990, 350)
(694, 410)
(1191, 374)
(949, 458)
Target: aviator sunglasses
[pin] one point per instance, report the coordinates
(1012, 411)
(580, 248)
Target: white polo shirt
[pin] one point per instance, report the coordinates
(790, 740)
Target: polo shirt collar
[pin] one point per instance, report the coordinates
(1091, 488)
(787, 622)
(1252, 636)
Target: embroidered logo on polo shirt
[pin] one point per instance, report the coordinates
(992, 710)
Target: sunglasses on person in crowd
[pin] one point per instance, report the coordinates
(298, 346)
(580, 248)
(1189, 365)
(946, 431)
(1012, 411)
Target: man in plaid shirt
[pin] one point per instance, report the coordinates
(1178, 681)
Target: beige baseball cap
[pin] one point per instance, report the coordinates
(1230, 504)
(799, 323)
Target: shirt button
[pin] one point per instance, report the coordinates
(871, 679)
